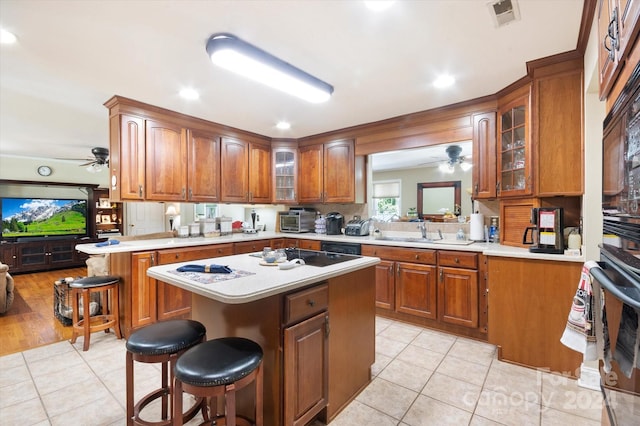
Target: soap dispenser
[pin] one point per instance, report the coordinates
(460, 235)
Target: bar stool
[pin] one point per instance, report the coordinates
(220, 367)
(110, 316)
(161, 342)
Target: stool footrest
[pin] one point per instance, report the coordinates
(159, 393)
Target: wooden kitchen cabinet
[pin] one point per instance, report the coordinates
(306, 354)
(435, 288)
(127, 157)
(329, 173)
(458, 292)
(8, 255)
(484, 156)
(617, 31)
(416, 289)
(529, 301)
(285, 174)
(246, 171)
(514, 146)
(166, 161)
(144, 300)
(203, 167)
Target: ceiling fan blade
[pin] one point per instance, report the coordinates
(87, 164)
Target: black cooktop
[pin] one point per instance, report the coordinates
(318, 258)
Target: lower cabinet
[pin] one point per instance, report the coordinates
(440, 289)
(41, 255)
(144, 300)
(306, 354)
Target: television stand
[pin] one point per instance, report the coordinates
(42, 254)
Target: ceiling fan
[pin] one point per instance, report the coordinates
(453, 152)
(99, 161)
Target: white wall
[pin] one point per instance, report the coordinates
(23, 168)
(594, 114)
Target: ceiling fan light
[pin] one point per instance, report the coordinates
(240, 57)
(465, 166)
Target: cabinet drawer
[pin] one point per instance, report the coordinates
(251, 246)
(309, 244)
(460, 259)
(194, 253)
(305, 303)
(401, 254)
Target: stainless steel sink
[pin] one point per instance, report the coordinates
(427, 240)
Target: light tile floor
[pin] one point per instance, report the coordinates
(421, 377)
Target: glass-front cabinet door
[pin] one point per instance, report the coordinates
(285, 175)
(514, 160)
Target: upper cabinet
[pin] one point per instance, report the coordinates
(328, 173)
(166, 161)
(246, 171)
(127, 157)
(484, 155)
(617, 30)
(203, 167)
(285, 173)
(514, 146)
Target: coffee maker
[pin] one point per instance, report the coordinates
(335, 222)
(547, 236)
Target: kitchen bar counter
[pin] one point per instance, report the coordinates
(263, 282)
(487, 249)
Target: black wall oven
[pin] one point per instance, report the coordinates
(619, 271)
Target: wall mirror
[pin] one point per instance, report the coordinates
(437, 198)
(416, 166)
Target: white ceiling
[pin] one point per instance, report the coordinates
(71, 56)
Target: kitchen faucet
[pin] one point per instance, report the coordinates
(423, 229)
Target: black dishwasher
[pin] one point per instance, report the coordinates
(337, 247)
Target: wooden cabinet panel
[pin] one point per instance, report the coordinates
(518, 218)
(186, 254)
(484, 155)
(402, 254)
(308, 244)
(8, 255)
(514, 147)
(305, 303)
(458, 259)
(311, 186)
(385, 285)
(166, 161)
(339, 172)
(416, 289)
(285, 175)
(234, 166)
(203, 169)
(528, 305)
(259, 173)
(306, 355)
(246, 171)
(559, 165)
(143, 290)
(628, 28)
(458, 296)
(250, 246)
(127, 158)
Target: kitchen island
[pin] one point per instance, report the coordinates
(316, 326)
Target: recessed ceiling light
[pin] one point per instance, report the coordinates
(443, 81)
(189, 94)
(283, 125)
(7, 37)
(378, 5)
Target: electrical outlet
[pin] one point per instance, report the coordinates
(257, 218)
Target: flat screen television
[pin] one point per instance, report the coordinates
(42, 217)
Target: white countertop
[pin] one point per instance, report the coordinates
(266, 281)
(488, 249)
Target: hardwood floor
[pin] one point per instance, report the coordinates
(32, 323)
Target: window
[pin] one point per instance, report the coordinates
(386, 199)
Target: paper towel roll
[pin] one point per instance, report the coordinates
(477, 227)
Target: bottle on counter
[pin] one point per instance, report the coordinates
(493, 230)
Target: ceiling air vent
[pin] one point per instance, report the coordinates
(504, 12)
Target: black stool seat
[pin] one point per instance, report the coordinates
(218, 362)
(166, 337)
(92, 282)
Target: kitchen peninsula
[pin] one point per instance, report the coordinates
(316, 326)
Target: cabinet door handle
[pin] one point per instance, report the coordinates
(498, 187)
(153, 259)
(327, 329)
(441, 275)
(311, 302)
(190, 193)
(184, 193)
(476, 188)
(417, 256)
(140, 191)
(456, 260)
(177, 255)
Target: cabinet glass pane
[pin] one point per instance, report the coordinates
(519, 180)
(33, 250)
(507, 160)
(507, 141)
(519, 136)
(518, 116)
(507, 181)
(507, 122)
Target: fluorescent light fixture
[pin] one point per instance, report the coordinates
(443, 81)
(7, 37)
(189, 94)
(283, 125)
(234, 54)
